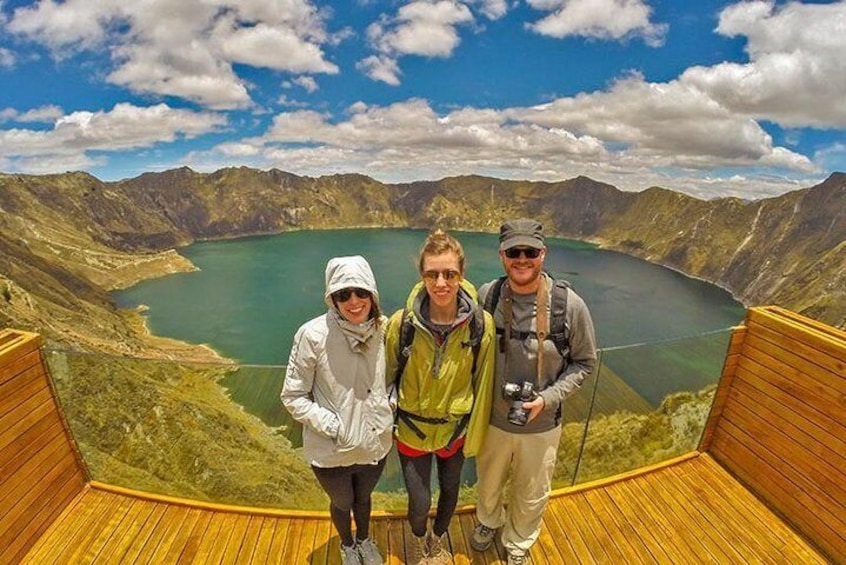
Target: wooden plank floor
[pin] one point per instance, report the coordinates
(690, 512)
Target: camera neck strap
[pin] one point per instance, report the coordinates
(541, 321)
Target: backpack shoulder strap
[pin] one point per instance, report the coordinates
(406, 337)
(492, 297)
(491, 301)
(558, 330)
(477, 330)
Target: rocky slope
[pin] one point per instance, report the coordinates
(65, 240)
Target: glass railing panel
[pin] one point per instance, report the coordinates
(219, 432)
(170, 428)
(574, 419)
(211, 432)
(260, 395)
(652, 402)
(258, 391)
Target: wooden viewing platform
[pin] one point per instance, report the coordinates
(766, 485)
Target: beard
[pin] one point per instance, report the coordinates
(523, 274)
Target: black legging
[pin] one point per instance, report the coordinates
(349, 489)
(417, 472)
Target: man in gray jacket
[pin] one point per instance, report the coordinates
(533, 376)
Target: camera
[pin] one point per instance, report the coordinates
(518, 394)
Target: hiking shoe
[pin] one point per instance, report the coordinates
(369, 553)
(517, 558)
(483, 537)
(439, 550)
(417, 552)
(349, 555)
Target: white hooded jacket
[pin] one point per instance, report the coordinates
(335, 381)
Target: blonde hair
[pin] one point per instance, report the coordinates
(439, 242)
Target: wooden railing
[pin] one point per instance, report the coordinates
(40, 470)
(779, 420)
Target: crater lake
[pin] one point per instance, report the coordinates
(250, 295)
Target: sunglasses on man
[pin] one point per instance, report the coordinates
(528, 252)
(346, 293)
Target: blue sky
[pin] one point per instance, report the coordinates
(709, 98)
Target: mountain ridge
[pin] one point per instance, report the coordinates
(66, 240)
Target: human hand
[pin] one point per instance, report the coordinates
(534, 407)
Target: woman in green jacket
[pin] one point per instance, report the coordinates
(439, 352)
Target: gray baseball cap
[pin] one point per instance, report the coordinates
(521, 233)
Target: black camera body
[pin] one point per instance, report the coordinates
(518, 394)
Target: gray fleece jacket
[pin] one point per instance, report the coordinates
(561, 377)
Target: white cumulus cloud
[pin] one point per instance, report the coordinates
(602, 19)
(124, 127)
(382, 68)
(411, 138)
(492, 9)
(306, 82)
(796, 74)
(186, 49)
(426, 29)
(7, 58)
(44, 114)
(672, 121)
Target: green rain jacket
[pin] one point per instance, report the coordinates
(437, 381)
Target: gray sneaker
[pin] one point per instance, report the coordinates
(349, 555)
(517, 558)
(369, 553)
(483, 537)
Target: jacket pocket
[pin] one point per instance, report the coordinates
(383, 417)
(345, 440)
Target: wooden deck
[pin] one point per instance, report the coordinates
(767, 485)
(691, 512)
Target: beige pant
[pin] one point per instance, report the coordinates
(530, 458)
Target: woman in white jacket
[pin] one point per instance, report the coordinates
(335, 387)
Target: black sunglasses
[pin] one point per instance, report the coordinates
(529, 252)
(345, 293)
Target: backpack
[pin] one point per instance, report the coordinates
(558, 331)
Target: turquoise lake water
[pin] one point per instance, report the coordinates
(250, 295)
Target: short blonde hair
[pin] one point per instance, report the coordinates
(439, 242)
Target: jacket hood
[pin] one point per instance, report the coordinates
(467, 299)
(349, 272)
